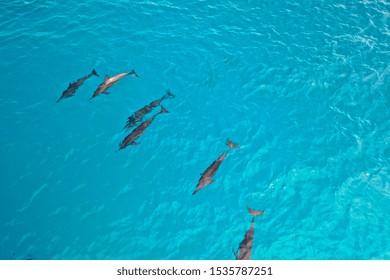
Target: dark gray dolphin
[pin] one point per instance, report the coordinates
(206, 177)
(138, 115)
(138, 131)
(109, 82)
(245, 246)
(70, 91)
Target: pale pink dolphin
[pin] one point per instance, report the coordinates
(109, 82)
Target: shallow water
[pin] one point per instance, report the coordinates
(302, 87)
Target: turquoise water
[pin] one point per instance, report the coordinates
(302, 86)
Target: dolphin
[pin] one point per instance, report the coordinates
(138, 115)
(138, 131)
(245, 246)
(109, 82)
(206, 177)
(74, 86)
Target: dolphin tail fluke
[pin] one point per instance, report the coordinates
(95, 73)
(132, 72)
(169, 94)
(255, 213)
(163, 110)
(231, 144)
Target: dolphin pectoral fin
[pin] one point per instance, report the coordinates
(235, 253)
(211, 181)
(134, 143)
(106, 78)
(106, 92)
